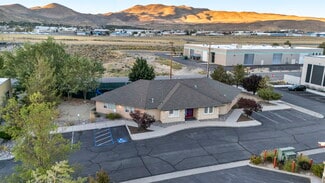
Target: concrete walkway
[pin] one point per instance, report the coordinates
(159, 131)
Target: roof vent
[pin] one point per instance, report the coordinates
(195, 86)
(152, 100)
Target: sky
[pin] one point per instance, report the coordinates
(312, 8)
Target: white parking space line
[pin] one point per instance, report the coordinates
(267, 118)
(282, 117)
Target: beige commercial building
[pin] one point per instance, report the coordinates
(171, 100)
(313, 72)
(5, 90)
(230, 55)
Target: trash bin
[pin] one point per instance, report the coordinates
(286, 153)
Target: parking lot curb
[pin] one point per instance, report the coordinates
(180, 127)
(313, 179)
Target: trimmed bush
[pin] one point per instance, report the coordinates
(303, 162)
(269, 156)
(288, 166)
(249, 106)
(318, 169)
(4, 135)
(256, 159)
(268, 94)
(113, 116)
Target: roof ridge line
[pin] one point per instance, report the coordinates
(146, 97)
(171, 92)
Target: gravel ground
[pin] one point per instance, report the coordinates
(74, 111)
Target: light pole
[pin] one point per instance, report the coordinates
(208, 64)
(171, 60)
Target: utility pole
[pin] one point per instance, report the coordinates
(171, 60)
(208, 64)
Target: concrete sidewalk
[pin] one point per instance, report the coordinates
(159, 131)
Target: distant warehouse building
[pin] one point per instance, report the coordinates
(313, 72)
(229, 55)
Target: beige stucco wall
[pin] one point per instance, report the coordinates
(201, 115)
(121, 110)
(5, 86)
(164, 117)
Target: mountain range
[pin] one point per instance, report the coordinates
(161, 16)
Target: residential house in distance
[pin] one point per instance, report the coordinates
(313, 72)
(171, 100)
(230, 55)
(5, 90)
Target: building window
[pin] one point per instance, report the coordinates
(129, 109)
(277, 58)
(208, 110)
(110, 106)
(317, 75)
(249, 59)
(173, 113)
(309, 67)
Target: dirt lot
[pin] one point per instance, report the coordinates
(118, 63)
(119, 53)
(74, 111)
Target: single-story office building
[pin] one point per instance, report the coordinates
(231, 55)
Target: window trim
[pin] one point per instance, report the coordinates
(173, 113)
(110, 106)
(128, 109)
(208, 110)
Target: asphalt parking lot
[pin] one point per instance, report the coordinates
(240, 174)
(305, 94)
(303, 99)
(198, 147)
(201, 147)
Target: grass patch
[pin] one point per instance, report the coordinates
(134, 130)
(175, 65)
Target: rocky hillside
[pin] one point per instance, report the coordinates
(155, 15)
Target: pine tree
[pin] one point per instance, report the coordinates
(239, 74)
(141, 70)
(43, 80)
(219, 74)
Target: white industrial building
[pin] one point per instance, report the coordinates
(229, 55)
(313, 72)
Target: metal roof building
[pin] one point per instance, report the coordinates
(230, 55)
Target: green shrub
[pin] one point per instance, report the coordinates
(269, 156)
(303, 162)
(288, 166)
(318, 169)
(256, 159)
(4, 135)
(268, 94)
(113, 116)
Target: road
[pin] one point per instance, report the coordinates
(277, 74)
